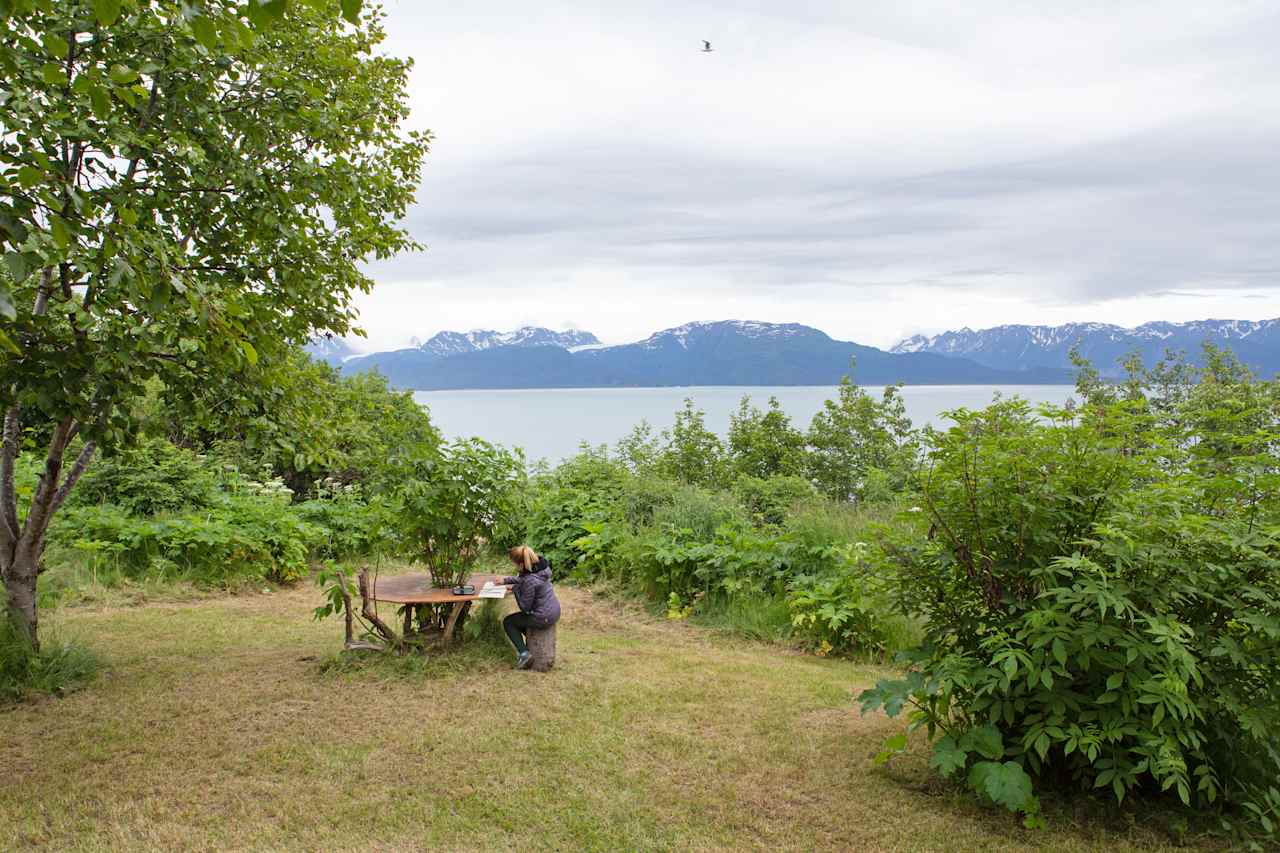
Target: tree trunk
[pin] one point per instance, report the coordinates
(542, 648)
(22, 545)
(20, 586)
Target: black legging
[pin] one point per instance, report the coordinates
(517, 626)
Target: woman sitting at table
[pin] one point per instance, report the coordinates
(539, 607)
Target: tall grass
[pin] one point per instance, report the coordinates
(766, 618)
(58, 667)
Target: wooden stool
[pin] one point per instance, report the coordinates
(542, 647)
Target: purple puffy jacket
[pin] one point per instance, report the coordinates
(534, 594)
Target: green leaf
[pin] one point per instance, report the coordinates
(205, 32)
(61, 234)
(985, 740)
(55, 45)
(53, 74)
(107, 11)
(7, 310)
(122, 74)
(1060, 651)
(351, 10)
(6, 343)
(249, 352)
(29, 176)
(947, 756)
(101, 102)
(1004, 784)
(19, 269)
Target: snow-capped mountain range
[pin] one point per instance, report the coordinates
(453, 343)
(1257, 343)
(726, 352)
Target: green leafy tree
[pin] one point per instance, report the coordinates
(691, 453)
(182, 195)
(764, 444)
(859, 447)
(308, 424)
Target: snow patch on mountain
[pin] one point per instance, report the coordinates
(681, 336)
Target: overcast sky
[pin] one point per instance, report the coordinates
(871, 169)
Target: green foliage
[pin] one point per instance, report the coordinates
(309, 426)
(860, 448)
(183, 197)
(571, 503)
(1104, 591)
(337, 587)
(764, 444)
(240, 537)
(844, 607)
(56, 668)
(769, 501)
(151, 478)
(351, 526)
(172, 216)
(691, 453)
(451, 511)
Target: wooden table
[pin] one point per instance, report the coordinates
(417, 590)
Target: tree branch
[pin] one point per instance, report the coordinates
(38, 515)
(78, 469)
(8, 495)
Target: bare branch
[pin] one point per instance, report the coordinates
(366, 610)
(42, 292)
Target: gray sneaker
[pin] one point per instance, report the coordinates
(523, 660)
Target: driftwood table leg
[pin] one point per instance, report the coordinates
(458, 609)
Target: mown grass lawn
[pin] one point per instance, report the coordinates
(216, 727)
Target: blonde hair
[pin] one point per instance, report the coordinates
(523, 555)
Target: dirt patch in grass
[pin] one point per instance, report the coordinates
(219, 726)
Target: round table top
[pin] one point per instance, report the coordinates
(417, 589)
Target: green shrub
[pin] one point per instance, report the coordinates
(154, 477)
(862, 449)
(240, 537)
(846, 607)
(1102, 600)
(449, 513)
(349, 525)
(764, 444)
(701, 511)
(769, 501)
(584, 490)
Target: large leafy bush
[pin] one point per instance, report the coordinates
(451, 510)
(1102, 595)
(152, 478)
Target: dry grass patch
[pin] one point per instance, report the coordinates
(218, 728)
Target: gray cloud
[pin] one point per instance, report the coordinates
(838, 165)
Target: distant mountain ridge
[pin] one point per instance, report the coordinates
(727, 352)
(1256, 343)
(454, 343)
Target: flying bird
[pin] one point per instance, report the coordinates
(706, 46)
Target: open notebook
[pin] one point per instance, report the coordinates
(492, 590)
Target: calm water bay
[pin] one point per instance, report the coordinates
(551, 423)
